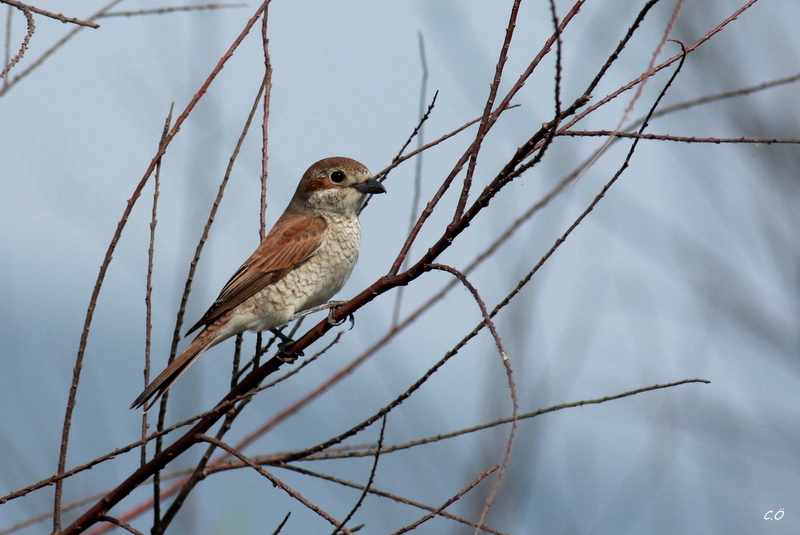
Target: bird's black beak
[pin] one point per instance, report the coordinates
(370, 186)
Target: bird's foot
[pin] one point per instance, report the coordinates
(333, 306)
(283, 353)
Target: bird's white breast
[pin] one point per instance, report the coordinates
(310, 284)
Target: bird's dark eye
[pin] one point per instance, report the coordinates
(337, 177)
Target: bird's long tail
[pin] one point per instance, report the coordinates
(204, 340)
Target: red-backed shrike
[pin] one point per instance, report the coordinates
(304, 260)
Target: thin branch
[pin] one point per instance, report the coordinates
(446, 504)
(399, 158)
(369, 481)
(262, 217)
(162, 10)
(640, 88)
(117, 522)
(680, 139)
(274, 480)
(283, 523)
(424, 113)
(520, 83)
(148, 325)
(661, 66)
(50, 51)
(52, 480)
(382, 494)
(57, 16)
(49, 514)
(385, 171)
(25, 41)
(7, 43)
(445, 436)
(418, 165)
(586, 212)
(509, 374)
(727, 94)
(484, 126)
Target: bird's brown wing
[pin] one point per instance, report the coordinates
(292, 241)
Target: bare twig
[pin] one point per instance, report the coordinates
(446, 504)
(376, 492)
(483, 127)
(7, 41)
(50, 51)
(591, 206)
(283, 523)
(262, 212)
(640, 88)
(418, 167)
(423, 113)
(163, 10)
(25, 41)
(117, 522)
(369, 481)
(274, 480)
(385, 171)
(57, 16)
(727, 94)
(399, 158)
(149, 283)
(680, 139)
(509, 374)
(445, 436)
(663, 65)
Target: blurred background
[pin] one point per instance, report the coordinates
(688, 268)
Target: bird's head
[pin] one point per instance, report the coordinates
(335, 185)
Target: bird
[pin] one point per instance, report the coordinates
(302, 262)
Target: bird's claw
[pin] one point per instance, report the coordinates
(283, 353)
(338, 322)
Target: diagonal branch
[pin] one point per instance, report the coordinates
(56, 16)
(369, 481)
(274, 480)
(446, 504)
